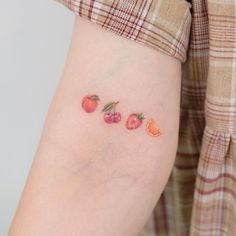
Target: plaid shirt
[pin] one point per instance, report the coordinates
(200, 196)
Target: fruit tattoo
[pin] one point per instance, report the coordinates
(152, 129)
(134, 120)
(90, 103)
(110, 115)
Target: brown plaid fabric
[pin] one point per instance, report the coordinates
(163, 25)
(200, 196)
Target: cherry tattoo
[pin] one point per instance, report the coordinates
(110, 114)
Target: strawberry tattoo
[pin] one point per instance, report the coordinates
(90, 103)
(110, 115)
(134, 120)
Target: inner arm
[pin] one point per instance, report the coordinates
(100, 170)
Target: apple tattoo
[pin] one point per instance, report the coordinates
(90, 103)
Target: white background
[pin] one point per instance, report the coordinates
(34, 38)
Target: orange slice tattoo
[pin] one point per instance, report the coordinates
(152, 128)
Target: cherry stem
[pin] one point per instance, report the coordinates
(114, 107)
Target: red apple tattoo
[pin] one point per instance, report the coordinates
(90, 103)
(134, 120)
(110, 114)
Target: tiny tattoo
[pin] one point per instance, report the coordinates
(134, 120)
(90, 103)
(152, 128)
(110, 114)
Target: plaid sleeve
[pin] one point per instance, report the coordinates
(161, 24)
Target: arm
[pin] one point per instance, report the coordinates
(94, 178)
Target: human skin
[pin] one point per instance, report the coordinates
(89, 177)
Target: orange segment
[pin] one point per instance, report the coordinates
(152, 129)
